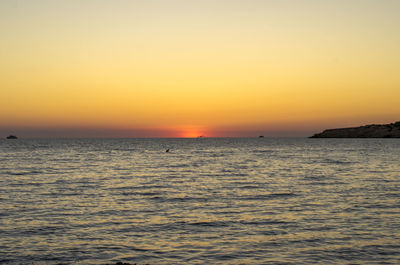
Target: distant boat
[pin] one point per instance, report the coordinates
(12, 137)
(261, 136)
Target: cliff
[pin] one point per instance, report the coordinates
(391, 130)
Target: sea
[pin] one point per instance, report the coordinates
(205, 201)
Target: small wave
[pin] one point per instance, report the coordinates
(178, 165)
(263, 151)
(264, 222)
(134, 193)
(121, 168)
(335, 161)
(180, 199)
(125, 188)
(42, 230)
(138, 249)
(125, 149)
(18, 173)
(25, 173)
(274, 232)
(61, 193)
(225, 257)
(270, 196)
(210, 224)
(143, 187)
(318, 183)
(249, 187)
(21, 184)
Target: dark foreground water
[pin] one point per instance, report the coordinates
(207, 201)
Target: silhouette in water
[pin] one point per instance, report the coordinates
(167, 150)
(12, 137)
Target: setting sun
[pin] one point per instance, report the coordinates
(191, 133)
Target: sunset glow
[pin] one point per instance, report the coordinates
(224, 68)
(191, 134)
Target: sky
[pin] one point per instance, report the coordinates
(217, 68)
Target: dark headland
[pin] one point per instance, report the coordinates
(391, 130)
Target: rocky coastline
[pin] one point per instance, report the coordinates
(391, 130)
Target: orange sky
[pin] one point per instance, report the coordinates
(189, 68)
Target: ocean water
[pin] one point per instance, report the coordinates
(206, 201)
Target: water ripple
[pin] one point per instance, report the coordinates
(208, 201)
